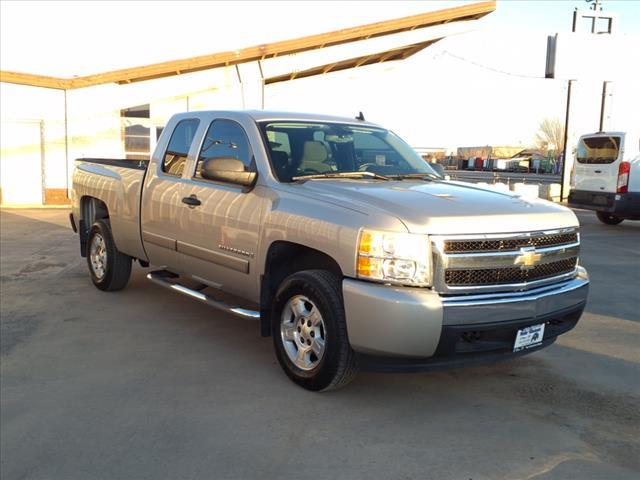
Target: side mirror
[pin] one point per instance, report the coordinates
(227, 169)
(438, 168)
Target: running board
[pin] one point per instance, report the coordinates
(161, 278)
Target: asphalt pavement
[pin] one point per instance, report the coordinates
(146, 384)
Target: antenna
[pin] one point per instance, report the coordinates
(360, 117)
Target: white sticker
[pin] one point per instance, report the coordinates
(529, 337)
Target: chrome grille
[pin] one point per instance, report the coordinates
(503, 262)
(497, 276)
(498, 245)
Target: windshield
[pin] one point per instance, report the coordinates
(299, 149)
(598, 149)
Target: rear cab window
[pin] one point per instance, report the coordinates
(598, 150)
(175, 157)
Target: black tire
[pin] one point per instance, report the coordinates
(338, 364)
(609, 218)
(115, 275)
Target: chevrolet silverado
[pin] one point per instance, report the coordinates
(338, 239)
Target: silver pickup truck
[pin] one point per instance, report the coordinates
(332, 233)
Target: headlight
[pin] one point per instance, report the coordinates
(400, 258)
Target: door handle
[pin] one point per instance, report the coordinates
(598, 171)
(192, 201)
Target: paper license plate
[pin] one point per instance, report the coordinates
(529, 337)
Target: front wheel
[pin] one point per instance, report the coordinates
(310, 333)
(609, 218)
(110, 269)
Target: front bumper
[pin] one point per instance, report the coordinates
(417, 327)
(622, 204)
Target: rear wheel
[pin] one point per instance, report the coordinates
(110, 269)
(310, 333)
(609, 218)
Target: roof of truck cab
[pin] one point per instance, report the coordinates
(268, 115)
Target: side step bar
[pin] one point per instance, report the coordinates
(167, 280)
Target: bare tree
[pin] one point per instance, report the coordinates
(550, 136)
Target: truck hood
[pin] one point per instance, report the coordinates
(440, 207)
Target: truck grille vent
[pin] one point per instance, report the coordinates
(499, 245)
(497, 276)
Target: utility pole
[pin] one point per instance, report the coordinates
(596, 19)
(565, 173)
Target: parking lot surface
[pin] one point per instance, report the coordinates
(146, 384)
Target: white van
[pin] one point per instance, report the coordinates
(606, 176)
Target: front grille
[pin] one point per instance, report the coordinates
(499, 245)
(497, 276)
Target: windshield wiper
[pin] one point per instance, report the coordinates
(340, 175)
(422, 176)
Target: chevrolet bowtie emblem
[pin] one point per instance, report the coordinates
(528, 258)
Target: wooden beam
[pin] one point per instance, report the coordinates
(35, 80)
(362, 61)
(390, 55)
(260, 52)
(384, 57)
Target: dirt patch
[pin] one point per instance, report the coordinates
(608, 422)
(39, 267)
(16, 330)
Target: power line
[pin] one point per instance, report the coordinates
(486, 67)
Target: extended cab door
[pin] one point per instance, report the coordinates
(162, 207)
(220, 231)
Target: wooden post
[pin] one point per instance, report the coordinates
(42, 163)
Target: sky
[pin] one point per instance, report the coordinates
(483, 87)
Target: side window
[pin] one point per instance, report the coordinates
(176, 155)
(225, 138)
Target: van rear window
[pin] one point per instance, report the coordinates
(598, 150)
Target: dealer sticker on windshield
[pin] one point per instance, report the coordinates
(529, 337)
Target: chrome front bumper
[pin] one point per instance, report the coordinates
(472, 309)
(409, 322)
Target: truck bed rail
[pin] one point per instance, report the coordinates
(117, 162)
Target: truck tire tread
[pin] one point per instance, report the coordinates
(348, 364)
(330, 291)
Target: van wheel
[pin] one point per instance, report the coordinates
(609, 218)
(310, 332)
(110, 269)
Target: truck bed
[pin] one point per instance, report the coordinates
(117, 183)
